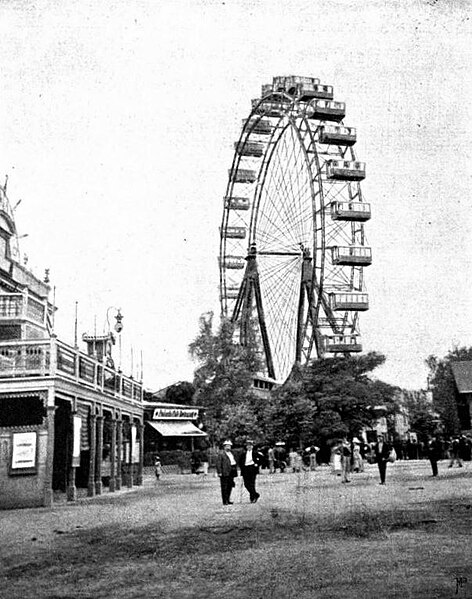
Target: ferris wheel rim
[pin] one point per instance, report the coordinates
(318, 299)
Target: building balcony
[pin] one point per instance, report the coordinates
(54, 359)
(16, 307)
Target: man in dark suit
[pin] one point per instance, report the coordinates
(434, 453)
(227, 471)
(382, 453)
(249, 465)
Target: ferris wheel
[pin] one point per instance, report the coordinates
(292, 243)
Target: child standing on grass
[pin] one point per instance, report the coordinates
(157, 467)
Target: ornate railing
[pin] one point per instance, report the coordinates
(53, 358)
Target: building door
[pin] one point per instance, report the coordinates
(62, 440)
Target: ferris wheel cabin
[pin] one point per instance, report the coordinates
(293, 81)
(232, 292)
(358, 302)
(341, 343)
(351, 211)
(243, 176)
(326, 110)
(251, 148)
(345, 170)
(274, 108)
(234, 232)
(303, 88)
(235, 203)
(234, 262)
(341, 136)
(351, 255)
(259, 126)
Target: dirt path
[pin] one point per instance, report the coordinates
(151, 539)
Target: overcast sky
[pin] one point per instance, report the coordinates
(117, 123)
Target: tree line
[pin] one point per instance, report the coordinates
(324, 400)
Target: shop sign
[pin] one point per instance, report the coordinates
(174, 414)
(23, 459)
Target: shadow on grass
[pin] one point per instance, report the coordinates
(107, 544)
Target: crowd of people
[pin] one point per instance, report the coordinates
(347, 457)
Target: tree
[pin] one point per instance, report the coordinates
(345, 395)
(329, 398)
(421, 415)
(223, 381)
(289, 415)
(180, 393)
(441, 380)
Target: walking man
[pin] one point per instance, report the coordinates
(382, 453)
(249, 465)
(227, 471)
(434, 454)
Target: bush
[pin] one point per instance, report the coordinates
(177, 456)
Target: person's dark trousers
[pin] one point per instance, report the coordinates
(226, 483)
(382, 470)
(434, 466)
(249, 474)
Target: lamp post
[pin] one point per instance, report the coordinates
(118, 328)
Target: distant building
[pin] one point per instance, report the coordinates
(462, 372)
(397, 426)
(68, 418)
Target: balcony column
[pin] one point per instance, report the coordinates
(92, 458)
(129, 476)
(53, 356)
(47, 489)
(119, 452)
(113, 455)
(139, 474)
(71, 492)
(99, 456)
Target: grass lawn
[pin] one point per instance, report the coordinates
(309, 536)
